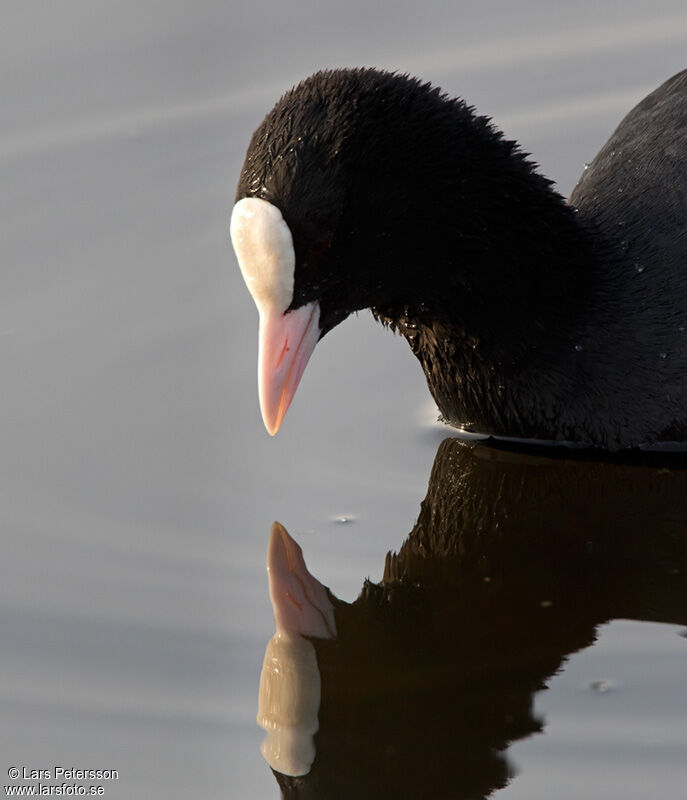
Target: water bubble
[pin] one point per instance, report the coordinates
(663, 355)
(578, 347)
(344, 519)
(639, 267)
(601, 686)
(586, 165)
(681, 328)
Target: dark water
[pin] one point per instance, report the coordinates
(138, 483)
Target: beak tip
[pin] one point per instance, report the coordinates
(272, 414)
(269, 419)
(272, 426)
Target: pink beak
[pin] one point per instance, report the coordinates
(300, 602)
(286, 343)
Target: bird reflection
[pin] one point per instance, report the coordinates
(424, 681)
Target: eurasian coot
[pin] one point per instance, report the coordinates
(532, 317)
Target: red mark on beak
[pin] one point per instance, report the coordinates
(284, 351)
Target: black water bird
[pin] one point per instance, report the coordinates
(417, 688)
(532, 317)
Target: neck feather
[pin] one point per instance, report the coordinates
(495, 330)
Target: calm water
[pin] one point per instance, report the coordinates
(139, 484)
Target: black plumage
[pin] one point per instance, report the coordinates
(532, 317)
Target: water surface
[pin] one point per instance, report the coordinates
(139, 484)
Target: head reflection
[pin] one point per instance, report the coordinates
(424, 681)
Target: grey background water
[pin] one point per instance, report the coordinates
(138, 483)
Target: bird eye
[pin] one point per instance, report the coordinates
(319, 247)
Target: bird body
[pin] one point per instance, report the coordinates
(532, 317)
